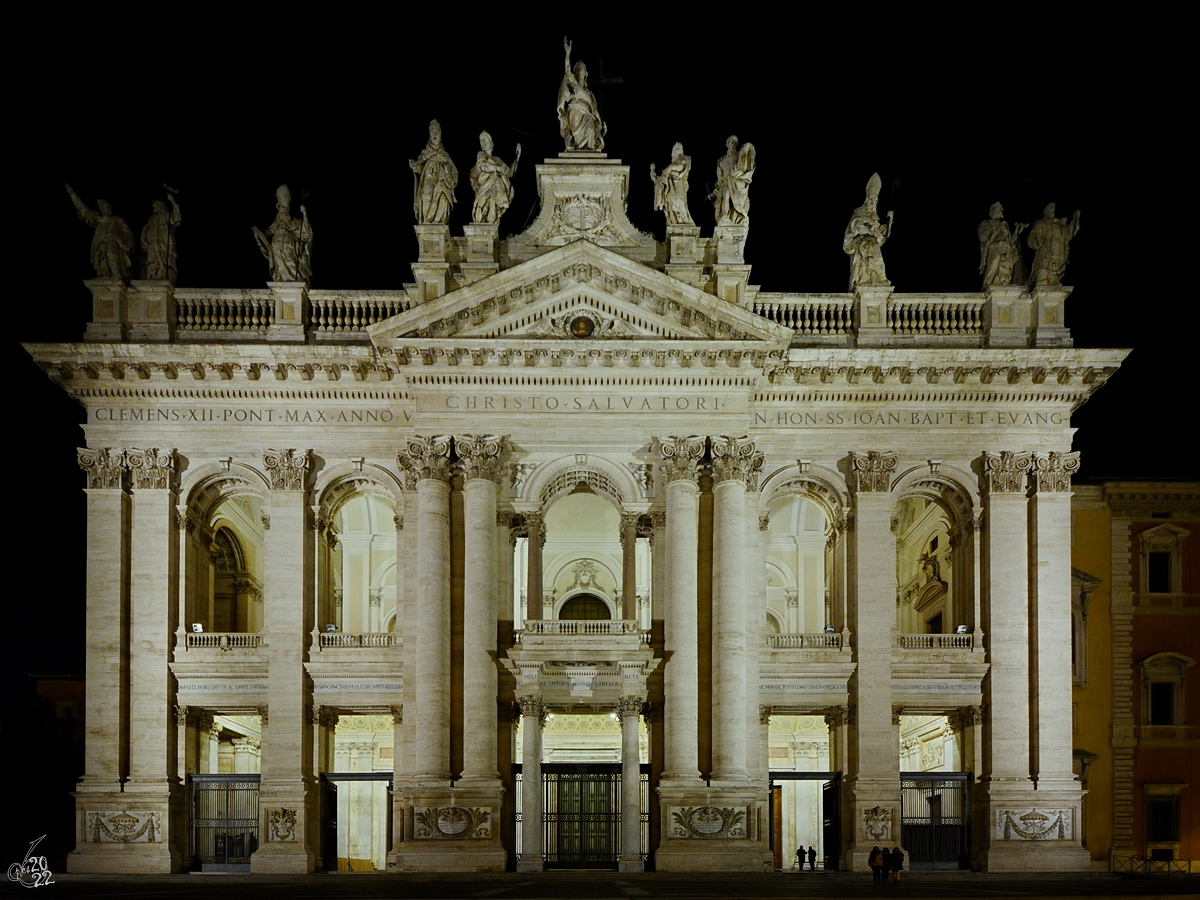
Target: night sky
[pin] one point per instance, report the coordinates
(225, 110)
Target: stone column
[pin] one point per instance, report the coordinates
(153, 581)
(629, 529)
(872, 797)
(480, 457)
(681, 674)
(535, 527)
(629, 709)
(428, 460)
(532, 858)
(734, 464)
(288, 795)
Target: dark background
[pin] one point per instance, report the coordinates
(953, 115)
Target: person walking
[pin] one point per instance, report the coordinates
(875, 860)
(800, 857)
(885, 865)
(897, 861)
(812, 858)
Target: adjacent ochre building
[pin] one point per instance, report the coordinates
(589, 549)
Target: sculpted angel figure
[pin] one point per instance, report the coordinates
(578, 116)
(864, 239)
(492, 181)
(111, 241)
(287, 244)
(735, 171)
(434, 179)
(671, 187)
(999, 250)
(1050, 239)
(158, 240)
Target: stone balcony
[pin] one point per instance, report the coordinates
(220, 647)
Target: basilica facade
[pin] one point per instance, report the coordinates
(579, 550)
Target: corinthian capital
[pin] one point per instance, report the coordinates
(426, 457)
(480, 455)
(1004, 472)
(103, 467)
(151, 468)
(735, 459)
(286, 469)
(681, 456)
(872, 470)
(1052, 471)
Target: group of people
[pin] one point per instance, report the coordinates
(811, 854)
(885, 861)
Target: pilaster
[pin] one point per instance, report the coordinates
(871, 802)
(153, 580)
(105, 750)
(289, 299)
(288, 796)
(151, 311)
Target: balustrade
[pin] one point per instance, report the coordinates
(580, 626)
(337, 639)
(224, 640)
(937, 641)
(823, 641)
(233, 311)
(344, 312)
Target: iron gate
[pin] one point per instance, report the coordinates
(935, 819)
(224, 821)
(581, 814)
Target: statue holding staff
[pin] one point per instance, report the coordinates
(287, 244)
(158, 240)
(578, 116)
(999, 250)
(434, 179)
(864, 239)
(492, 180)
(671, 187)
(1050, 239)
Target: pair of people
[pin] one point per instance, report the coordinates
(884, 861)
(812, 858)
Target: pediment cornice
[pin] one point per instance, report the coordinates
(538, 299)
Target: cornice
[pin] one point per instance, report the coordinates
(1141, 499)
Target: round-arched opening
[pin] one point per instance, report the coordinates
(585, 607)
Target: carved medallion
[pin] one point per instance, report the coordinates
(708, 822)
(470, 822)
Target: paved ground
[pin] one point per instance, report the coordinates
(551, 886)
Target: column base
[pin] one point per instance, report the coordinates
(452, 829)
(290, 825)
(637, 864)
(1027, 830)
(531, 865)
(127, 834)
(715, 829)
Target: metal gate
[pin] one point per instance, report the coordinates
(935, 819)
(224, 821)
(581, 814)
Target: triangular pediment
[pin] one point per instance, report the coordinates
(579, 292)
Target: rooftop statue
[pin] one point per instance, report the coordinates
(434, 180)
(1050, 239)
(671, 187)
(492, 181)
(287, 245)
(864, 239)
(158, 240)
(735, 171)
(999, 250)
(578, 117)
(111, 241)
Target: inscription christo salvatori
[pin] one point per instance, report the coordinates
(552, 403)
(185, 415)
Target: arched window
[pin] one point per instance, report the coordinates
(585, 607)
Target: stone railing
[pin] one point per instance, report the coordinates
(340, 312)
(580, 626)
(822, 641)
(811, 314)
(941, 315)
(223, 640)
(200, 312)
(936, 641)
(337, 639)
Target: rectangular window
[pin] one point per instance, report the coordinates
(1162, 818)
(1162, 703)
(1158, 572)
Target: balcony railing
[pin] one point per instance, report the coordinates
(937, 641)
(585, 627)
(337, 639)
(823, 641)
(224, 640)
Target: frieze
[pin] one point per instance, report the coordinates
(448, 822)
(245, 415)
(708, 822)
(323, 684)
(1033, 824)
(124, 827)
(190, 686)
(956, 418)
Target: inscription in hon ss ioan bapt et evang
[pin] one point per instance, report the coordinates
(877, 418)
